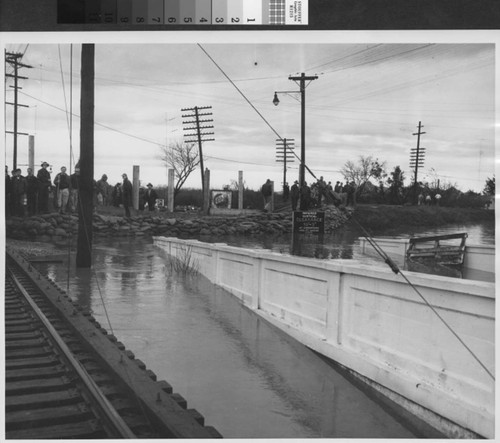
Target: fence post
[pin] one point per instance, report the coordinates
(135, 184)
(170, 191)
(240, 189)
(206, 191)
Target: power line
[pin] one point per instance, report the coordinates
(239, 90)
(96, 123)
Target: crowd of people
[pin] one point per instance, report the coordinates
(314, 196)
(428, 200)
(31, 194)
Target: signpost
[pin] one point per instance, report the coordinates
(309, 222)
(306, 224)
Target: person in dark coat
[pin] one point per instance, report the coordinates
(286, 191)
(150, 197)
(117, 195)
(126, 194)
(305, 197)
(7, 191)
(32, 186)
(294, 195)
(44, 181)
(142, 198)
(17, 190)
(62, 182)
(267, 194)
(102, 191)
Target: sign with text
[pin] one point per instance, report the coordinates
(309, 222)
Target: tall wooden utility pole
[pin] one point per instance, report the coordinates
(417, 159)
(85, 190)
(285, 154)
(301, 81)
(13, 59)
(195, 116)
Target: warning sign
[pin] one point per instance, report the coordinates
(309, 222)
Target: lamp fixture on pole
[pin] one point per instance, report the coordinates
(276, 100)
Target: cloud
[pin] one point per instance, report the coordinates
(367, 100)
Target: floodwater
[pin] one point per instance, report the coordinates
(345, 243)
(247, 378)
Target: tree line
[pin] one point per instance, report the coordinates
(375, 185)
(372, 182)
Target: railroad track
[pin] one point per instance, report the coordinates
(65, 377)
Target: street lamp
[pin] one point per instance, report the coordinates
(276, 100)
(301, 81)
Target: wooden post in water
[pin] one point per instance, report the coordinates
(86, 185)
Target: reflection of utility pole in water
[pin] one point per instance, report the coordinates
(86, 188)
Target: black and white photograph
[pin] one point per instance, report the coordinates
(250, 235)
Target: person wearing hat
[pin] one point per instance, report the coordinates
(43, 176)
(267, 194)
(32, 186)
(294, 195)
(17, 191)
(150, 197)
(102, 187)
(126, 194)
(62, 184)
(7, 191)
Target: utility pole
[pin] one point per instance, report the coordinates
(284, 154)
(302, 84)
(195, 120)
(85, 188)
(13, 59)
(417, 158)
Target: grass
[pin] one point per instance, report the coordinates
(183, 263)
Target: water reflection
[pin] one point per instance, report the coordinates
(345, 244)
(247, 378)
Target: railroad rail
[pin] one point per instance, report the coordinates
(66, 377)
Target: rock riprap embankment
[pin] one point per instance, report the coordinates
(47, 226)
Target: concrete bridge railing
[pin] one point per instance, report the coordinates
(372, 322)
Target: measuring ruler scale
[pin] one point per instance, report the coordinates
(192, 12)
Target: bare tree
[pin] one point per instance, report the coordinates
(361, 172)
(183, 158)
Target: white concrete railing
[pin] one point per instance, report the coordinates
(369, 320)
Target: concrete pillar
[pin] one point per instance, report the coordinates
(206, 192)
(31, 153)
(135, 184)
(240, 189)
(170, 191)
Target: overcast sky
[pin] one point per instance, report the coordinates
(368, 100)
